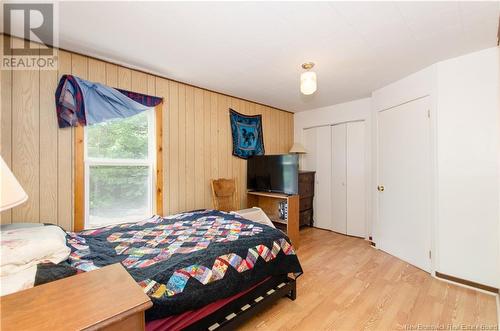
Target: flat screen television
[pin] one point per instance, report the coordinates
(273, 173)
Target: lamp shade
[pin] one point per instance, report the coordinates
(297, 148)
(11, 192)
(308, 83)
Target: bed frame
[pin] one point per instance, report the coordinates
(239, 310)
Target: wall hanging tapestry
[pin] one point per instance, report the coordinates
(81, 102)
(247, 134)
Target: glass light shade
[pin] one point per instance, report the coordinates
(308, 82)
(11, 192)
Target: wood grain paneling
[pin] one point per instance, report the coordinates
(196, 138)
(182, 171)
(173, 177)
(214, 136)
(139, 82)
(207, 156)
(190, 142)
(124, 78)
(48, 154)
(65, 154)
(111, 75)
(198, 157)
(26, 141)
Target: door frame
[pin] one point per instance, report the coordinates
(433, 170)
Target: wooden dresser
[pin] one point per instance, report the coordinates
(306, 193)
(104, 299)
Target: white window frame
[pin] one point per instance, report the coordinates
(149, 162)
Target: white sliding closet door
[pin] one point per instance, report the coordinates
(317, 142)
(355, 195)
(337, 154)
(322, 189)
(339, 179)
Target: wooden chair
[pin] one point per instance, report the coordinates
(225, 194)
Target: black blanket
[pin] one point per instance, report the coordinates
(188, 260)
(49, 272)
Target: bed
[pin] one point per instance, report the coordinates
(203, 269)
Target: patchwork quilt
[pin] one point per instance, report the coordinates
(188, 260)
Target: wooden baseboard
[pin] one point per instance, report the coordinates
(468, 283)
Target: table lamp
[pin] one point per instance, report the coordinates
(11, 192)
(297, 148)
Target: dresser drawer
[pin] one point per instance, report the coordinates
(306, 217)
(306, 184)
(306, 203)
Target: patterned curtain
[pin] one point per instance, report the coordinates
(81, 102)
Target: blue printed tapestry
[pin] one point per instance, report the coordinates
(248, 139)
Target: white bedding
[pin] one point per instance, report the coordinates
(255, 214)
(23, 248)
(19, 281)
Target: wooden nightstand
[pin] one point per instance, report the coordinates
(104, 299)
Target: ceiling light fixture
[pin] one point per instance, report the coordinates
(308, 80)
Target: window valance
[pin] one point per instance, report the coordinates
(81, 102)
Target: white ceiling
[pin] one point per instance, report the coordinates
(254, 49)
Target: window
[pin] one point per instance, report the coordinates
(120, 167)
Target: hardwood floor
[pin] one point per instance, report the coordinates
(348, 285)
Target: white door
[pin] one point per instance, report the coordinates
(404, 173)
(339, 181)
(355, 195)
(318, 158)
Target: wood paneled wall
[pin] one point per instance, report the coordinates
(196, 137)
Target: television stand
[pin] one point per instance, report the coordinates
(269, 202)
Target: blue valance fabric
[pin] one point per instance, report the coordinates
(248, 139)
(81, 102)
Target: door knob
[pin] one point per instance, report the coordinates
(381, 188)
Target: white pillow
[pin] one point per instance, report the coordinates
(26, 247)
(22, 280)
(15, 226)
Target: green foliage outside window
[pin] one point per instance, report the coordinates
(116, 189)
(119, 139)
